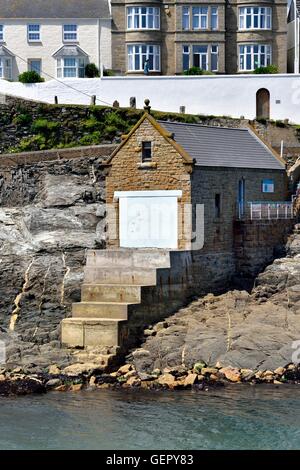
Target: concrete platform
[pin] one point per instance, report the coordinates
(83, 332)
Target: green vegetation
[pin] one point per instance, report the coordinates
(108, 73)
(197, 71)
(269, 69)
(22, 119)
(30, 77)
(91, 71)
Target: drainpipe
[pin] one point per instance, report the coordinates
(99, 38)
(296, 39)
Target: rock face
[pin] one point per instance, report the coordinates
(237, 329)
(42, 253)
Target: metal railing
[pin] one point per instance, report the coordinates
(262, 210)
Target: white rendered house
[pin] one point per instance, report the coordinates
(57, 38)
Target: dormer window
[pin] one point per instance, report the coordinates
(146, 152)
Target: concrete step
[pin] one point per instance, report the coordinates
(121, 276)
(150, 259)
(101, 332)
(110, 293)
(116, 311)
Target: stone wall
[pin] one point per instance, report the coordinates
(257, 243)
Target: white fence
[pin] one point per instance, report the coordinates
(219, 95)
(269, 210)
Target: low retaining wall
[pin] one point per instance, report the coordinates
(230, 95)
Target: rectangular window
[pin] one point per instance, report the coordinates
(139, 53)
(146, 152)
(255, 18)
(1, 33)
(185, 57)
(200, 17)
(185, 18)
(35, 65)
(6, 68)
(70, 67)
(252, 56)
(34, 32)
(268, 186)
(200, 57)
(143, 18)
(70, 32)
(214, 18)
(214, 58)
(217, 206)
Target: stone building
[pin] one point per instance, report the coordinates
(293, 41)
(223, 37)
(188, 208)
(55, 38)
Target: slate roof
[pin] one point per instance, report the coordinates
(223, 146)
(40, 9)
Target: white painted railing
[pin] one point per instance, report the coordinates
(267, 210)
(271, 210)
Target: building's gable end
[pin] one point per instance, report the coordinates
(187, 159)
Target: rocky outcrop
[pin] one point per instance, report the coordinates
(257, 331)
(42, 254)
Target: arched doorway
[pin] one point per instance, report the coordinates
(263, 104)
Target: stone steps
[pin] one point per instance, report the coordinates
(128, 276)
(123, 290)
(111, 293)
(148, 259)
(117, 311)
(93, 332)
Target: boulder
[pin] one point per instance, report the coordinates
(190, 380)
(81, 369)
(232, 374)
(53, 383)
(166, 380)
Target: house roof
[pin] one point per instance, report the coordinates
(70, 51)
(4, 52)
(54, 9)
(224, 147)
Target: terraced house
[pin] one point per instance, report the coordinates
(222, 36)
(56, 38)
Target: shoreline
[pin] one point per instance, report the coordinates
(200, 378)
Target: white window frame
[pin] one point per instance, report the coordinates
(136, 15)
(214, 52)
(30, 65)
(200, 12)
(186, 15)
(263, 14)
(36, 31)
(73, 32)
(267, 52)
(214, 13)
(268, 186)
(5, 68)
(78, 67)
(188, 50)
(137, 50)
(1, 32)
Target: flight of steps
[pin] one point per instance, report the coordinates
(120, 285)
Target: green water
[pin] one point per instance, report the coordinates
(239, 417)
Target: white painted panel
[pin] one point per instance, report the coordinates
(149, 222)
